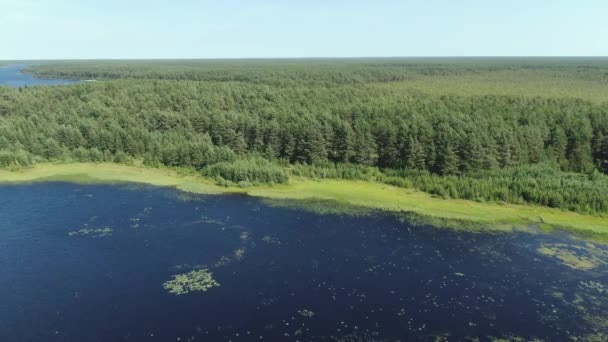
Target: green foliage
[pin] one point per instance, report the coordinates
(537, 184)
(18, 158)
(184, 123)
(440, 125)
(336, 171)
(532, 184)
(246, 172)
(342, 71)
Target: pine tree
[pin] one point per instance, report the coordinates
(447, 160)
(415, 157)
(387, 147)
(603, 155)
(342, 144)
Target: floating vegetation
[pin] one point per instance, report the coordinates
(306, 313)
(513, 339)
(92, 232)
(224, 260)
(598, 337)
(239, 253)
(576, 257)
(183, 196)
(588, 302)
(594, 285)
(271, 240)
(135, 222)
(373, 336)
(199, 280)
(320, 206)
(205, 219)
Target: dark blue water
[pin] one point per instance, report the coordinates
(284, 274)
(13, 76)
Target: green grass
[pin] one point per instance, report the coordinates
(354, 193)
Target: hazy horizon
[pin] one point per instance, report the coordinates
(312, 58)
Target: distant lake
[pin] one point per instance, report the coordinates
(139, 263)
(12, 76)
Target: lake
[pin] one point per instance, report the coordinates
(13, 77)
(141, 263)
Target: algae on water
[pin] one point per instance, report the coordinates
(198, 280)
(306, 313)
(576, 257)
(239, 253)
(93, 232)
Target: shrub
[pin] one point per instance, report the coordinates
(17, 158)
(247, 172)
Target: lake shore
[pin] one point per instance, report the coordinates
(489, 216)
(19, 75)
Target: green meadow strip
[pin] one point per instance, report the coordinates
(333, 196)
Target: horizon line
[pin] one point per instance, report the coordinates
(300, 58)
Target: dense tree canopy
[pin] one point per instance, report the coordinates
(477, 146)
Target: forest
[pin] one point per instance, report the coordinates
(525, 131)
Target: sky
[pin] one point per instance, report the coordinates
(124, 29)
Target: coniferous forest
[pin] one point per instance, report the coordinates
(526, 131)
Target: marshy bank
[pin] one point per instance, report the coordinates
(354, 194)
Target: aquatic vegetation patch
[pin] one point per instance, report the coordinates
(597, 337)
(589, 301)
(306, 313)
(199, 280)
(594, 285)
(576, 257)
(320, 206)
(271, 240)
(208, 220)
(224, 261)
(135, 222)
(92, 232)
(239, 253)
(513, 339)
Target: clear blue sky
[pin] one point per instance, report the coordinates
(61, 29)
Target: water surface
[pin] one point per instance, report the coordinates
(88, 263)
(13, 76)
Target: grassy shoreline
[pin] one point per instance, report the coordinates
(358, 193)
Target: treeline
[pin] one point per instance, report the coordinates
(444, 142)
(531, 184)
(183, 123)
(327, 71)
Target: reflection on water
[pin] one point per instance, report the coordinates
(13, 76)
(111, 263)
